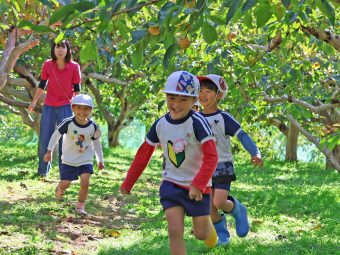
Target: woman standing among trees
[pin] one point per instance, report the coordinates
(61, 77)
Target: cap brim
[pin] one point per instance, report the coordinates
(204, 78)
(82, 104)
(177, 93)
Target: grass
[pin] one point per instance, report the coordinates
(293, 209)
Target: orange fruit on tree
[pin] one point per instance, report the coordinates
(154, 30)
(231, 36)
(183, 43)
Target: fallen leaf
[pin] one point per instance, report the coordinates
(316, 227)
(256, 222)
(112, 232)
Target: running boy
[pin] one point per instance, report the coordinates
(80, 143)
(223, 125)
(190, 160)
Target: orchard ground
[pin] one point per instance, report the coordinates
(293, 209)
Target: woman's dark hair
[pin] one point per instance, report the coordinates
(63, 44)
(209, 85)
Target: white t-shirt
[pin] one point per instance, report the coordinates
(80, 142)
(181, 141)
(223, 126)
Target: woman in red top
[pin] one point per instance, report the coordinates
(61, 78)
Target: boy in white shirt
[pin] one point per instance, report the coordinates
(80, 143)
(213, 89)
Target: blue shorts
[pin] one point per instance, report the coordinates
(172, 195)
(223, 175)
(72, 173)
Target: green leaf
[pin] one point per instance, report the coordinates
(60, 37)
(209, 33)
(132, 3)
(3, 8)
(278, 11)
(123, 29)
(248, 5)
(25, 24)
(286, 3)
(169, 54)
(83, 6)
(138, 35)
(263, 14)
(116, 4)
(137, 55)
(16, 5)
(327, 9)
(4, 26)
(248, 20)
(62, 13)
(165, 13)
(89, 51)
(232, 10)
(105, 15)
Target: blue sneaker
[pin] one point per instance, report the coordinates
(222, 231)
(239, 213)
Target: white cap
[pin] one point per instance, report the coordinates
(218, 81)
(182, 83)
(82, 99)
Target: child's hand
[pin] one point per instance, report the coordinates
(195, 194)
(257, 161)
(124, 191)
(48, 156)
(101, 166)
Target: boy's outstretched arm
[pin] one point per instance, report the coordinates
(251, 147)
(98, 151)
(52, 143)
(137, 167)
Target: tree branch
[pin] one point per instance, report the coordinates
(135, 7)
(315, 141)
(104, 78)
(8, 62)
(324, 35)
(16, 103)
(312, 108)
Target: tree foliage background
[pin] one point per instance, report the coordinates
(280, 59)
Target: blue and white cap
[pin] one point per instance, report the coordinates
(182, 83)
(82, 99)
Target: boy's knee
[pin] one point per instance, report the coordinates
(174, 232)
(219, 203)
(201, 235)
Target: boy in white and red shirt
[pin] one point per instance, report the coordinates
(190, 159)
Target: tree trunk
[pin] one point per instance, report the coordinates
(336, 154)
(113, 134)
(292, 142)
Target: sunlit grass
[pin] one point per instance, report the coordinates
(293, 209)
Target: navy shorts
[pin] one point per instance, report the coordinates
(72, 173)
(172, 195)
(223, 176)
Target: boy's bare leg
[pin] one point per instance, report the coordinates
(84, 187)
(175, 218)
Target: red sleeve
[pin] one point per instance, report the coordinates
(208, 166)
(138, 165)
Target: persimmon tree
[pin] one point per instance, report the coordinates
(279, 57)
